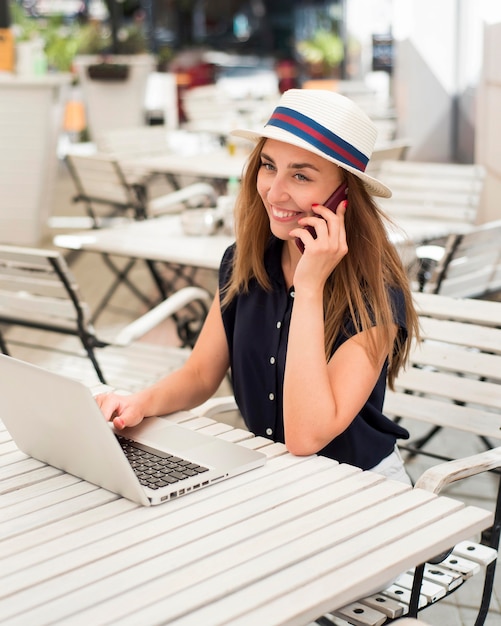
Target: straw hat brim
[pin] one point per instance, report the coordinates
(373, 186)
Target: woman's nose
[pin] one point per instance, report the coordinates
(277, 192)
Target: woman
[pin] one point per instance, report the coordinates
(314, 312)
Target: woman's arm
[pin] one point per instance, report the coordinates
(321, 399)
(196, 381)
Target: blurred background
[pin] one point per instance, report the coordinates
(425, 71)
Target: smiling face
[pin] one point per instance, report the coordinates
(290, 180)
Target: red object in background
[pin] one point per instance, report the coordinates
(201, 74)
(195, 76)
(287, 73)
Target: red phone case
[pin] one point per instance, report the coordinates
(331, 203)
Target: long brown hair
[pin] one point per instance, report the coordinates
(359, 285)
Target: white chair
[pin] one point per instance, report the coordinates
(466, 266)
(38, 291)
(426, 190)
(101, 182)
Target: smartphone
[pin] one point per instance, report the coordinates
(340, 194)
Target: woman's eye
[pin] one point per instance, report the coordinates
(267, 166)
(300, 176)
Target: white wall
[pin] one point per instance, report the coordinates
(437, 68)
(488, 124)
(424, 78)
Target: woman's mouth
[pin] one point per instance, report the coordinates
(282, 215)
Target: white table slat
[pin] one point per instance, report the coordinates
(189, 561)
(4, 437)
(31, 478)
(51, 498)
(263, 575)
(16, 501)
(60, 536)
(40, 518)
(256, 443)
(198, 422)
(145, 525)
(19, 467)
(141, 525)
(216, 429)
(7, 448)
(275, 600)
(237, 435)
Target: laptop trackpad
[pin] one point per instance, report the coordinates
(157, 433)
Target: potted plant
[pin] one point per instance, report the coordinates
(323, 53)
(113, 73)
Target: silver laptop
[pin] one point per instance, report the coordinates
(56, 420)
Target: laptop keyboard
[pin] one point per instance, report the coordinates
(156, 470)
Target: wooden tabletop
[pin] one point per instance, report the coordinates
(281, 544)
(158, 239)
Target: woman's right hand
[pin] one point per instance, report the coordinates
(122, 410)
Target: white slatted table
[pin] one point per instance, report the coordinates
(282, 544)
(160, 239)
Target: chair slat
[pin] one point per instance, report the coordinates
(35, 308)
(462, 334)
(433, 181)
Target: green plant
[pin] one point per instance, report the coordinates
(324, 49)
(60, 44)
(24, 27)
(63, 40)
(96, 38)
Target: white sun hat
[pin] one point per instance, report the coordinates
(328, 124)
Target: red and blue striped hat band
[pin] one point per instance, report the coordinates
(327, 124)
(320, 137)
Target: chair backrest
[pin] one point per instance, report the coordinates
(219, 107)
(134, 142)
(395, 150)
(454, 376)
(205, 104)
(471, 264)
(38, 290)
(102, 187)
(444, 191)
